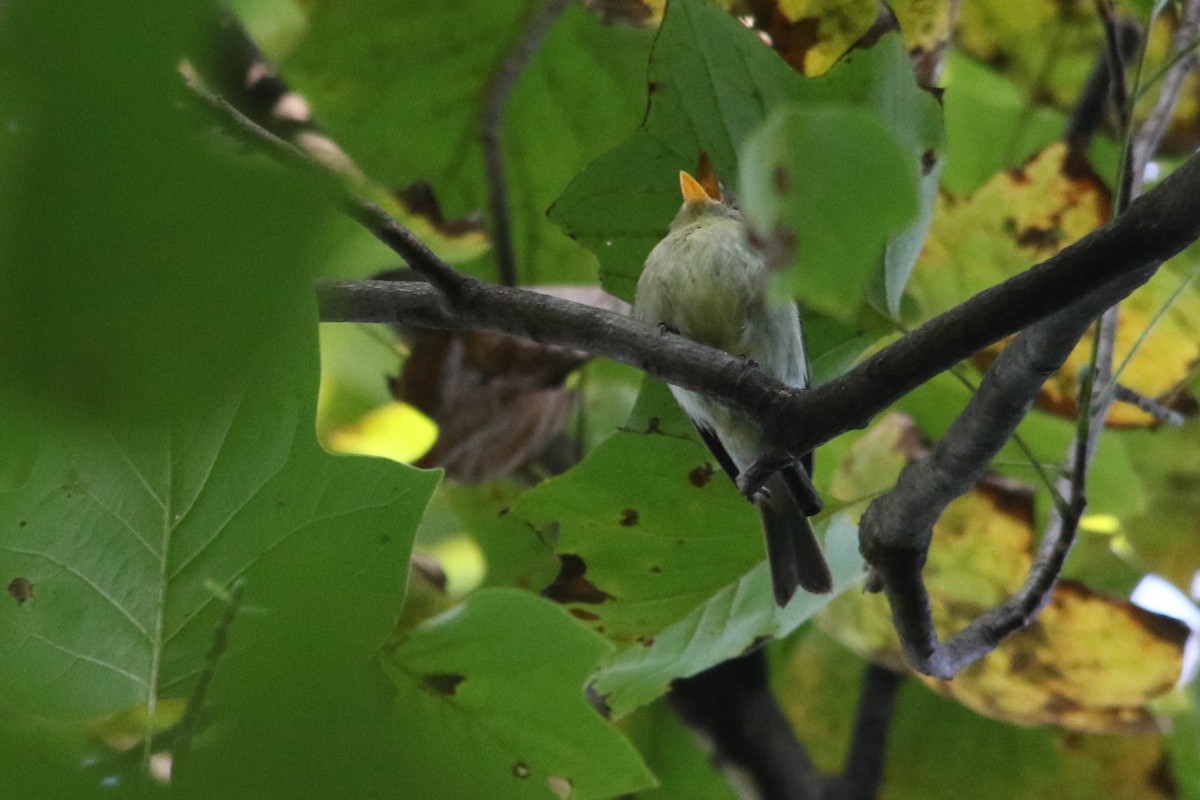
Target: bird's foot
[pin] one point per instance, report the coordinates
(750, 481)
(751, 363)
(666, 327)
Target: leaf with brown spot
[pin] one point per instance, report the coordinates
(811, 35)
(1021, 217)
(514, 664)
(20, 589)
(629, 518)
(687, 586)
(701, 475)
(444, 683)
(571, 587)
(938, 749)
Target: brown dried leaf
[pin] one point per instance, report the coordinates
(498, 400)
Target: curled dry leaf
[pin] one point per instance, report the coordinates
(1087, 663)
(500, 402)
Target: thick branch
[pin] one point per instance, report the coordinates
(1157, 226)
(863, 773)
(895, 530)
(732, 707)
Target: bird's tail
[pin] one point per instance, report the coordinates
(793, 552)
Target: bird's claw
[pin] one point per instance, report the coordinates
(750, 481)
(666, 327)
(752, 363)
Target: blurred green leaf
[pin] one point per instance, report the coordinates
(795, 170)
(143, 262)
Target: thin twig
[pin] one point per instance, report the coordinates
(495, 98)
(1184, 61)
(189, 723)
(1160, 412)
(456, 287)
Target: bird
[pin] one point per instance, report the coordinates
(704, 280)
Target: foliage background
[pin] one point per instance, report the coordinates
(161, 475)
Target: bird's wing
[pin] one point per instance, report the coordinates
(718, 450)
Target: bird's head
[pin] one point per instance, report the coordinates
(703, 196)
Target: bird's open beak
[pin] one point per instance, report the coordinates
(704, 186)
(691, 189)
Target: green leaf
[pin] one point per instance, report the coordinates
(662, 555)
(489, 701)
(732, 620)
(795, 174)
(122, 530)
(712, 84)
(400, 85)
(684, 770)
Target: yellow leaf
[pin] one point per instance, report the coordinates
(396, 431)
(1087, 663)
(1021, 217)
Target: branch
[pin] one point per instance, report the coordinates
(732, 707)
(455, 286)
(1157, 226)
(1161, 412)
(896, 529)
(496, 97)
(1159, 120)
(863, 773)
